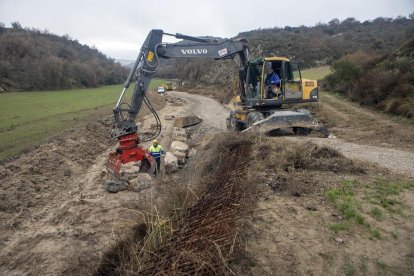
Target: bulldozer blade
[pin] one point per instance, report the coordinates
(286, 119)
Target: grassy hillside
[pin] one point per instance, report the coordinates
(27, 118)
(37, 60)
(316, 73)
(384, 82)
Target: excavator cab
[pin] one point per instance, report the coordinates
(291, 89)
(258, 100)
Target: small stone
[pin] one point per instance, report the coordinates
(192, 152)
(338, 239)
(311, 208)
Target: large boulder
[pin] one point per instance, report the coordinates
(170, 163)
(187, 121)
(141, 182)
(179, 131)
(129, 171)
(179, 134)
(181, 157)
(115, 185)
(180, 147)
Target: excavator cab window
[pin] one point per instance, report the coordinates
(254, 76)
(292, 80)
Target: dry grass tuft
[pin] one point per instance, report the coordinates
(295, 168)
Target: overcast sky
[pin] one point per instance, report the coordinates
(118, 27)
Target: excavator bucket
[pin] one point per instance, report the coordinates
(296, 119)
(148, 164)
(114, 164)
(115, 181)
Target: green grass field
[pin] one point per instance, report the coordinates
(27, 118)
(316, 73)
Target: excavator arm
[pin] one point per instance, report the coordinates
(145, 66)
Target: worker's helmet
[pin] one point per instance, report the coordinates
(155, 141)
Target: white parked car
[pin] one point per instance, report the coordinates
(161, 90)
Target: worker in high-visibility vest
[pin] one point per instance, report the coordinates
(156, 151)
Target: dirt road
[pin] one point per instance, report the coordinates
(395, 160)
(56, 217)
(212, 113)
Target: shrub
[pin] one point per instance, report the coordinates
(374, 87)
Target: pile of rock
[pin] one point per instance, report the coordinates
(176, 158)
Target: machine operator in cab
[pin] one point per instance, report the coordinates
(272, 82)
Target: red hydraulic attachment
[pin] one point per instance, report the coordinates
(129, 151)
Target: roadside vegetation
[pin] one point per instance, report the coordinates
(358, 201)
(383, 82)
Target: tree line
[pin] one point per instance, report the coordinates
(31, 59)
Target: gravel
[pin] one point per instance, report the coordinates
(395, 160)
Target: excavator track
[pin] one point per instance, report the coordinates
(204, 240)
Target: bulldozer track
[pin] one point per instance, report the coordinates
(204, 240)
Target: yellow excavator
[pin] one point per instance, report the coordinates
(258, 103)
(168, 86)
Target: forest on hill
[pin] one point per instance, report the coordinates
(32, 60)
